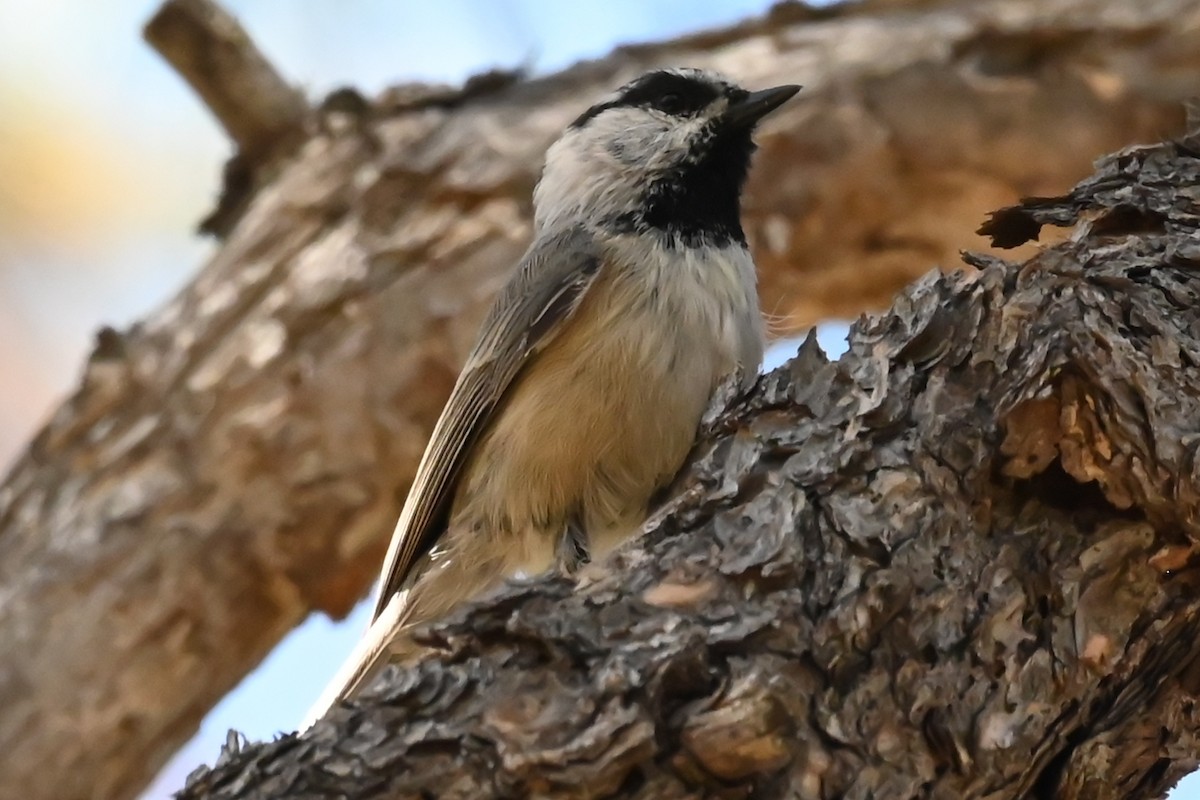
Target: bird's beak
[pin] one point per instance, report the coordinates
(757, 105)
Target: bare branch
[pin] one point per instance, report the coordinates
(215, 55)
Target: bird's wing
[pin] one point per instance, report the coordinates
(548, 286)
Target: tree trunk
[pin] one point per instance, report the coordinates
(959, 562)
(238, 459)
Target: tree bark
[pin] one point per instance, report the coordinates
(237, 460)
(958, 562)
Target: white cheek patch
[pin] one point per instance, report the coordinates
(602, 168)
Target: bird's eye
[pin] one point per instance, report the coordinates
(671, 103)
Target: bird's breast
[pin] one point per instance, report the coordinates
(706, 297)
(606, 414)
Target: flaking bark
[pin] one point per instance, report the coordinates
(958, 562)
(237, 460)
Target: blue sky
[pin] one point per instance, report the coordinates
(84, 61)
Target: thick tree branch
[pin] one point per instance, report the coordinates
(237, 459)
(959, 562)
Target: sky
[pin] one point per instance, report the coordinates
(85, 106)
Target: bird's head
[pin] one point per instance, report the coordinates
(667, 153)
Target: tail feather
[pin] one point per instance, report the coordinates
(367, 660)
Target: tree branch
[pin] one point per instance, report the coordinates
(263, 115)
(216, 57)
(959, 562)
(237, 459)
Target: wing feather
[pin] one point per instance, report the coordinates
(538, 300)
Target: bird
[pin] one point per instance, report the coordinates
(584, 391)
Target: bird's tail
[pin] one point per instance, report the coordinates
(374, 651)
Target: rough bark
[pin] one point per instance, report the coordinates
(958, 562)
(237, 459)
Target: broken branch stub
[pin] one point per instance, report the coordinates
(263, 114)
(215, 55)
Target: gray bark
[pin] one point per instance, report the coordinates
(959, 562)
(236, 460)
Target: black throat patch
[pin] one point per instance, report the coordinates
(699, 202)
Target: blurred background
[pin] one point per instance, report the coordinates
(107, 162)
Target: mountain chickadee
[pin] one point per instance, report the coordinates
(585, 388)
